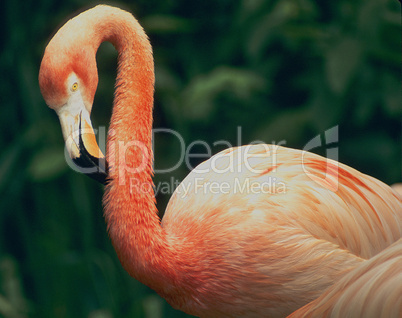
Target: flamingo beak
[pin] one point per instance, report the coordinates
(80, 140)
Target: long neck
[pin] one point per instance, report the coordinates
(129, 200)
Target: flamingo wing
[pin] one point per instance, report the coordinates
(373, 289)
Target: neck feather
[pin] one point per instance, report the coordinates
(130, 212)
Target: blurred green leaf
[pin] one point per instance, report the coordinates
(342, 62)
(285, 127)
(392, 102)
(166, 80)
(199, 96)
(8, 161)
(7, 310)
(47, 164)
(164, 24)
(101, 313)
(268, 25)
(153, 307)
(393, 18)
(13, 304)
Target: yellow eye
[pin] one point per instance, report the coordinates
(74, 87)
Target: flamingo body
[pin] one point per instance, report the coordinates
(278, 227)
(253, 231)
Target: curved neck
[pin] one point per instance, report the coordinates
(129, 200)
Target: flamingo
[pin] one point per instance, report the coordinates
(230, 244)
(371, 290)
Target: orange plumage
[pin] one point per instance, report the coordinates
(253, 231)
(371, 290)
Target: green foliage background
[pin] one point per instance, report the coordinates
(281, 70)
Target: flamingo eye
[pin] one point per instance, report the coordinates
(74, 87)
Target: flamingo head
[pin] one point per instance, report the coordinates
(68, 79)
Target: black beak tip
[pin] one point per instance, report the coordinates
(100, 177)
(94, 168)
